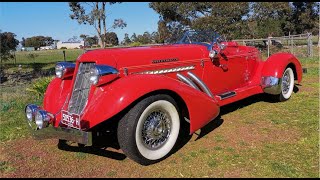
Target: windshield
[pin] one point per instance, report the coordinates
(206, 38)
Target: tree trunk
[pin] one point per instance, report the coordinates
(104, 22)
(99, 26)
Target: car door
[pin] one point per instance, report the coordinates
(228, 71)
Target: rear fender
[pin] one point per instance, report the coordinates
(275, 65)
(110, 99)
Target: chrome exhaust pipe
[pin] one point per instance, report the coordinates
(200, 83)
(187, 81)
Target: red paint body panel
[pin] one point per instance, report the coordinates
(113, 98)
(276, 64)
(237, 68)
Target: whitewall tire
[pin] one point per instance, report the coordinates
(287, 84)
(150, 129)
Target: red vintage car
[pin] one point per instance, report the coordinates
(144, 94)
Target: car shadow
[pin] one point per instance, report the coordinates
(218, 121)
(98, 148)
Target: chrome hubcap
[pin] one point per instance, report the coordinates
(156, 129)
(285, 83)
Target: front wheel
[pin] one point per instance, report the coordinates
(287, 84)
(149, 131)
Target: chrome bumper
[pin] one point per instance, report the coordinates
(48, 131)
(74, 135)
(271, 85)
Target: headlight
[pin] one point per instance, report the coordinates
(94, 76)
(30, 111)
(42, 119)
(64, 69)
(102, 74)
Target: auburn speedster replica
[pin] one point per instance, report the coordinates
(149, 92)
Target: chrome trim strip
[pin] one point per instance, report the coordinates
(223, 96)
(187, 81)
(200, 83)
(170, 70)
(271, 85)
(74, 135)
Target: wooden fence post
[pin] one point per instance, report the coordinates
(269, 41)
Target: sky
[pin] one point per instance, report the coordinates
(27, 19)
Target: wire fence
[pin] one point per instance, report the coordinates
(301, 45)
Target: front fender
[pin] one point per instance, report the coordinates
(108, 100)
(275, 65)
(56, 94)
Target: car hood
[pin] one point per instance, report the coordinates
(139, 56)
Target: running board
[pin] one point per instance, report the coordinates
(227, 95)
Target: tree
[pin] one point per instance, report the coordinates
(163, 32)
(227, 18)
(23, 42)
(8, 44)
(95, 17)
(73, 39)
(89, 41)
(111, 38)
(270, 18)
(126, 39)
(83, 36)
(305, 17)
(134, 37)
(38, 41)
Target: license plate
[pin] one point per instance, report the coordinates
(71, 120)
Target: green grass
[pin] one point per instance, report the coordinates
(12, 104)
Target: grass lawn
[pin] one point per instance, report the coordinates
(252, 138)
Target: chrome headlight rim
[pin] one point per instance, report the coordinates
(64, 69)
(42, 119)
(101, 70)
(31, 108)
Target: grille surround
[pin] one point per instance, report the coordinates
(81, 88)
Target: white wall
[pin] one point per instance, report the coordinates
(70, 45)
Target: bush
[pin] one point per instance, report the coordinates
(39, 87)
(135, 44)
(63, 48)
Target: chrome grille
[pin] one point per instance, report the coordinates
(80, 89)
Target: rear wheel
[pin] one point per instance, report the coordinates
(149, 131)
(287, 84)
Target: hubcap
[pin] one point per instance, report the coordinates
(156, 129)
(285, 83)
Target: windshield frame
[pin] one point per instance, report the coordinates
(187, 38)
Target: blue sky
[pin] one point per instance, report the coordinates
(27, 19)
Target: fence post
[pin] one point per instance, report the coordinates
(269, 41)
(15, 58)
(309, 46)
(291, 45)
(64, 55)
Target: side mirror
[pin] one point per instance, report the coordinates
(216, 50)
(222, 46)
(213, 53)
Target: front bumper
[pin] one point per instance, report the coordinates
(69, 134)
(271, 85)
(47, 131)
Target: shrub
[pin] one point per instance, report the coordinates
(63, 48)
(135, 44)
(40, 85)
